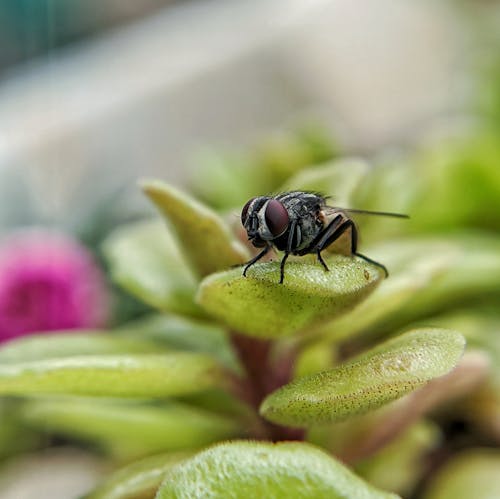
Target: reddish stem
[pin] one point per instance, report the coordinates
(264, 375)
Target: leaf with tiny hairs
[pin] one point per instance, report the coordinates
(258, 305)
(274, 471)
(370, 380)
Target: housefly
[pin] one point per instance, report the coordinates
(300, 223)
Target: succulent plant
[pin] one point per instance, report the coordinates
(333, 384)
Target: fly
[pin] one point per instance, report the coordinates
(300, 223)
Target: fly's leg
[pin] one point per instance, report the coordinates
(255, 259)
(333, 233)
(292, 234)
(282, 268)
(320, 259)
(369, 260)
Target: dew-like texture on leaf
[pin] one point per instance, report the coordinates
(205, 239)
(243, 470)
(132, 375)
(128, 429)
(368, 381)
(473, 474)
(52, 345)
(259, 305)
(144, 259)
(138, 480)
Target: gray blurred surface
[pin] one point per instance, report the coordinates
(87, 122)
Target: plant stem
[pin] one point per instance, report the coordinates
(264, 374)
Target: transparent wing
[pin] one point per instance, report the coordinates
(332, 210)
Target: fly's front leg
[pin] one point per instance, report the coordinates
(255, 259)
(292, 234)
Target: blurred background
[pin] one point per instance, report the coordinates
(97, 94)
(94, 95)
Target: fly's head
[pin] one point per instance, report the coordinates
(264, 219)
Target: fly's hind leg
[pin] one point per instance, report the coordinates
(369, 260)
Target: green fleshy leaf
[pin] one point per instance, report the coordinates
(414, 265)
(450, 183)
(126, 429)
(368, 381)
(144, 259)
(138, 480)
(400, 465)
(187, 334)
(471, 474)
(132, 375)
(273, 471)
(337, 179)
(65, 344)
(15, 435)
(259, 305)
(206, 240)
(472, 271)
(426, 275)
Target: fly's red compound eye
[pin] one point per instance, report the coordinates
(276, 217)
(244, 211)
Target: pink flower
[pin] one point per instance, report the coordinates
(48, 281)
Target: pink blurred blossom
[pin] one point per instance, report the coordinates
(48, 281)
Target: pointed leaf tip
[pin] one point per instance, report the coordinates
(205, 238)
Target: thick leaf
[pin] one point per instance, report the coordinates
(472, 474)
(426, 275)
(15, 435)
(206, 240)
(138, 480)
(450, 183)
(368, 381)
(126, 429)
(414, 266)
(65, 344)
(472, 273)
(241, 470)
(139, 375)
(337, 179)
(183, 333)
(144, 259)
(259, 305)
(401, 464)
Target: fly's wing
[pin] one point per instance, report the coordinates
(347, 211)
(343, 244)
